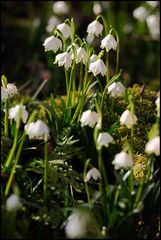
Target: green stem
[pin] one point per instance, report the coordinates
(85, 78)
(103, 191)
(139, 192)
(80, 79)
(132, 140)
(66, 201)
(85, 183)
(45, 168)
(79, 108)
(102, 167)
(66, 80)
(11, 154)
(14, 166)
(107, 66)
(104, 23)
(6, 119)
(118, 49)
(73, 89)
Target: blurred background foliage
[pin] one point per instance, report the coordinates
(26, 24)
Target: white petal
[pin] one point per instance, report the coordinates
(153, 146)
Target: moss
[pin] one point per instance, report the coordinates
(139, 166)
(145, 110)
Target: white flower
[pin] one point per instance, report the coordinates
(153, 146)
(64, 59)
(97, 8)
(60, 7)
(127, 119)
(89, 118)
(140, 13)
(65, 29)
(77, 224)
(81, 54)
(122, 160)
(14, 113)
(109, 42)
(52, 23)
(116, 89)
(13, 203)
(98, 67)
(104, 139)
(37, 130)
(153, 3)
(95, 28)
(93, 58)
(4, 94)
(153, 23)
(157, 102)
(11, 89)
(52, 43)
(92, 173)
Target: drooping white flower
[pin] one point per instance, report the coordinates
(89, 118)
(38, 130)
(116, 89)
(127, 119)
(152, 3)
(153, 22)
(4, 94)
(140, 13)
(14, 113)
(65, 29)
(11, 89)
(93, 58)
(81, 55)
(104, 139)
(13, 203)
(97, 9)
(52, 43)
(60, 7)
(77, 224)
(95, 28)
(52, 23)
(153, 146)
(64, 59)
(122, 160)
(98, 67)
(109, 42)
(92, 173)
(157, 102)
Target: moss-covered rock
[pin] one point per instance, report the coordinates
(145, 110)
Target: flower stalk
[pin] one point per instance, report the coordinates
(45, 168)
(85, 182)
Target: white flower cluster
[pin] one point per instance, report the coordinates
(96, 65)
(38, 129)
